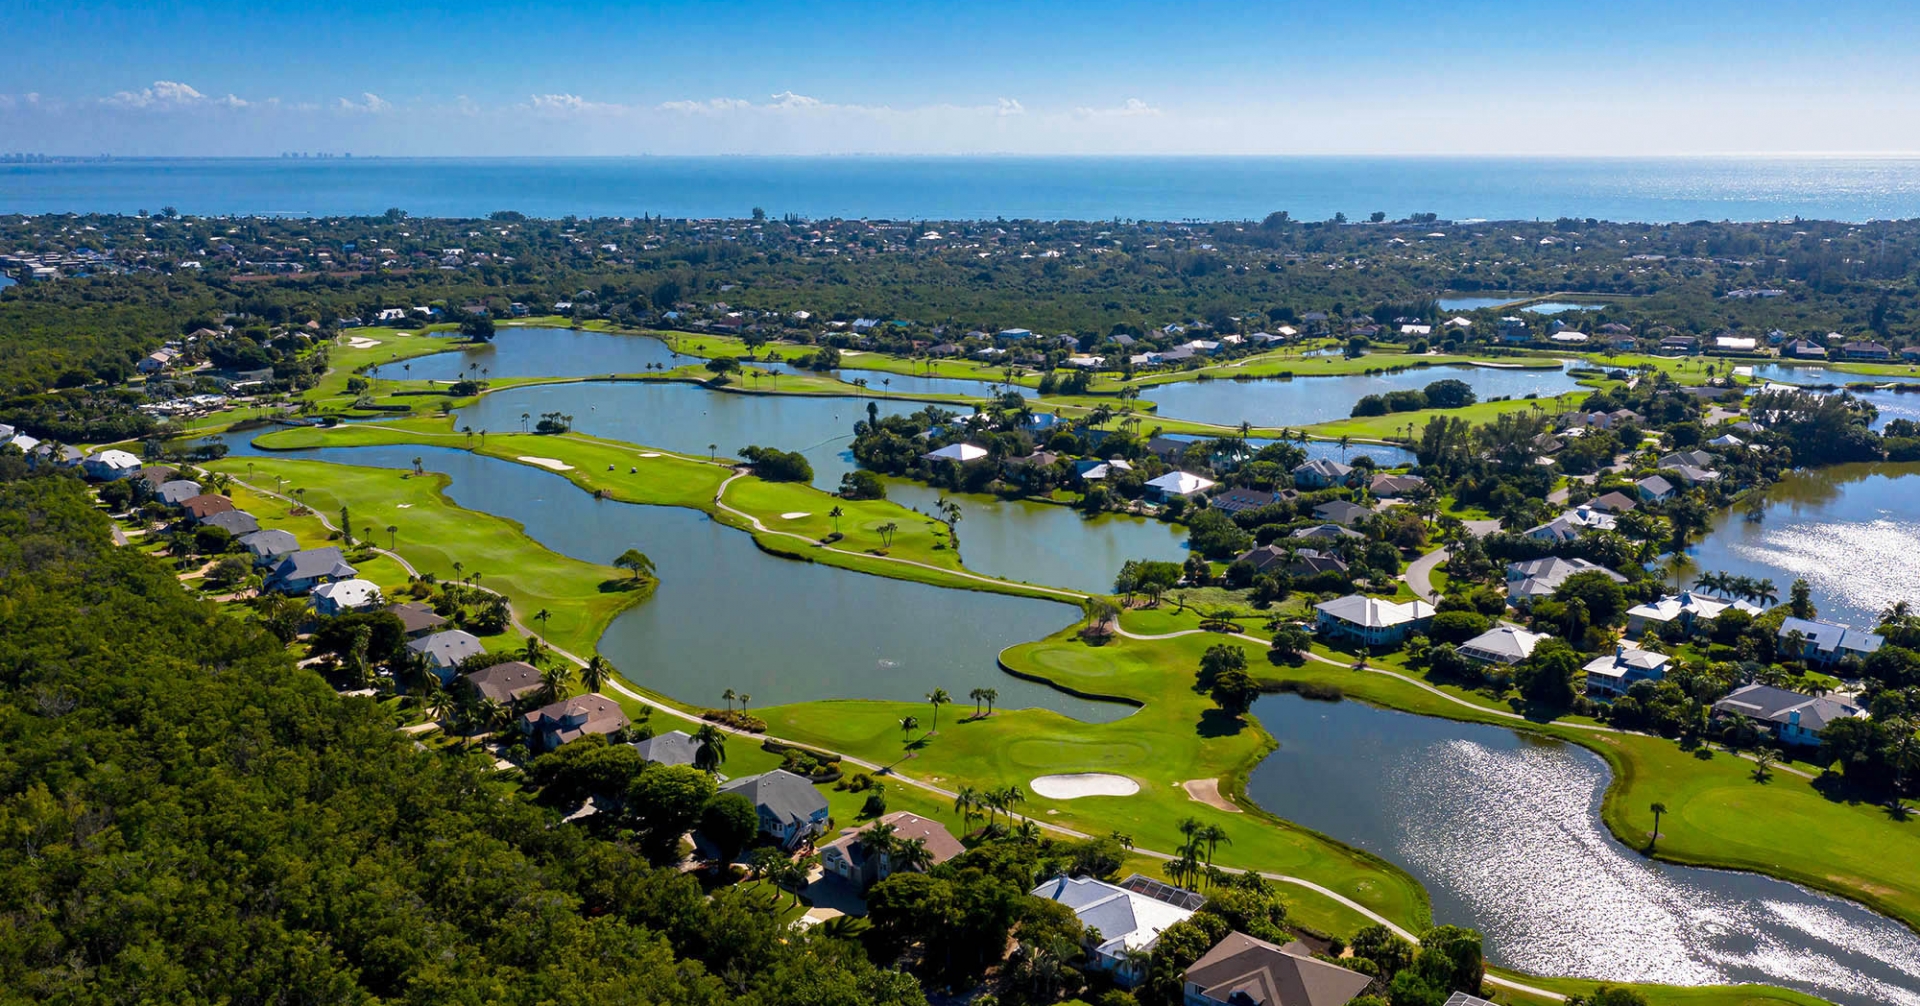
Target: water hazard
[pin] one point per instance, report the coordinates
(1504, 831)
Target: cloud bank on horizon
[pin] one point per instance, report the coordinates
(177, 118)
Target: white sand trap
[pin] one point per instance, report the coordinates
(362, 342)
(651, 454)
(795, 515)
(404, 506)
(552, 463)
(1079, 784)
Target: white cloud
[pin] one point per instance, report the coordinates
(788, 99)
(369, 102)
(1131, 108)
(570, 104)
(166, 94)
(1011, 106)
(710, 105)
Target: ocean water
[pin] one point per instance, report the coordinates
(1051, 188)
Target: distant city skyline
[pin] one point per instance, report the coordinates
(1634, 78)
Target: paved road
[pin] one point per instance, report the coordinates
(1419, 574)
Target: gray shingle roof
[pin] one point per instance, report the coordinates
(270, 542)
(786, 797)
(234, 522)
(313, 563)
(447, 649)
(675, 747)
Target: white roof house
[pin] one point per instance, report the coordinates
(1528, 581)
(1572, 524)
(1685, 607)
(1824, 642)
(1615, 672)
(962, 453)
(1178, 484)
(110, 464)
(1570, 338)
(1373, 620)
(1127, 921)
(344, 595)
(1502, 644)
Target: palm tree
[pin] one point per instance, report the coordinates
(937, 698)
(1213, 835)
(711, 752)
(393, 530)
(542, 616)
(976, 696)
(908, 724)
(1345, 442)
(1011, 796)
(524, 416)
(744, 697)
(792, 874)
(991, 695)
(966, 803)
(535, 652)
(593, 677)
(1763, 762)
(1765, 592)
(912, 854)
(1658, 809)
(554, 681)
(417, 469)
(835, 514)
(728, 696)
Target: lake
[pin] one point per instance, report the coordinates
(1472, 303)
(686, 418)
(542, 352)
(1305, 400)
(1046, 544)
(1852, 531)
(728, 615)
(1560, 307)
(1504, 831)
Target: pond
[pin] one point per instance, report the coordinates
(1472, 303)
(1560, 307)
(687, 418)
(541, 352)
(1046, 544)
(1383, 455)
(1303, 401)
(1504, 831)
(885, 384)
(1812, 373)
(1852, 531)
(728, 615)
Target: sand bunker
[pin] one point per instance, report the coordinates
(795, 515)
(651, 454)
(1079, 784)
(552, 463)
(362, 342)
(1207, 791)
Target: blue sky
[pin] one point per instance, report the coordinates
(1389, 76)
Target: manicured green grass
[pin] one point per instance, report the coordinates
(434, 534)
(1175, 738)
(394, 346)
(1394, 425)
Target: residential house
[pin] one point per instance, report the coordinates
(445, 650)
(156, 361)
(416, 619)
(1512, 329)
(1127, 922)
(1866, 351)
(1615, 502)
(1371, 620)
(1735, 344)
(1679, 344)
(1396, 486)
(1235, 501)
(199, 508)
(1182, 484)
(1572, 524)
(675, 747)
(1688, 609)
(1342, 512)
(1325, 532)
(1093, 470)
(1304, 561)
(1654, 489)
(1792, 718)
(1502, 644)
(1013, 334)
(269, 546)
(849, 858)
(790, 809)
(1910, 354)
(1827, 642)
(1611, 675)
(1681, 459)
(146, 480)
(550, 726)
(1168, 449)
(962, 453)
(177, 491)
(1243, 971)
(233, 522)
(1725, 441)
(1463, 999)
(109, 465)
(1569, 338)
(1538, 578)
(507, 683)
(1321, 473)
(1802, 349)
(342, 596)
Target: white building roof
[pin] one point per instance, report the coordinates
(957, 452)
(116, 459)
(1374, 612)
(1180, 483)
(1502, 644)
(1126, 920)
(347, 593)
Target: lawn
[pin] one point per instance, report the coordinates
(1395, 425)
(433, 534)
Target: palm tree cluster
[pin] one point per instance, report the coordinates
(970, 803)
(987, 695)
(1744, 588)
(896, 853)
(1194, 859)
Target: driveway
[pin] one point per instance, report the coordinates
(1419, 574)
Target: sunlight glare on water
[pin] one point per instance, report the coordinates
(1868, 565)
